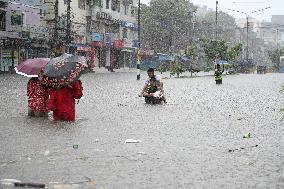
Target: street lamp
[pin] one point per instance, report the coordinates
(247, 17)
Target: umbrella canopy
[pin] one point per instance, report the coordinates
(31, 67)
(61, 71)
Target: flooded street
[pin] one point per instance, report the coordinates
(193, 141)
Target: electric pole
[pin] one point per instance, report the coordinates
(138, 53)
(55, 34)
(216, 31)
(247, 52)
(68, 30)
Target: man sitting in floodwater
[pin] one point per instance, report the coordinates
(152, 95)
(158, 84)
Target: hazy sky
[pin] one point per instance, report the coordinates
(248, 6)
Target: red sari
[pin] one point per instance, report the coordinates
(62, 101)
(37, 96)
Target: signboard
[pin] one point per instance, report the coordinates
(135, 43)
(130, 25)
(6, 58)
(96, 36)
(80, 29)
(118, 44)
(108, 39)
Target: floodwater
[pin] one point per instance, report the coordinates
(193, 141)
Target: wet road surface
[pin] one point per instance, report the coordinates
(193, 141)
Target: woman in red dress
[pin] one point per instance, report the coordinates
(37, 98)
(62, 101)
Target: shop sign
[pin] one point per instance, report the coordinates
(130, 25)
(135, 43)
(103, 15)
(147, 52)
(80, 29)
(83, 48)
(97, 44)
(118, 44)
(6, 59)
(80, 40)
(108, 39)
(107, 16)
(96, 36)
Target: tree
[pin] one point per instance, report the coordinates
(166, 24)
(234, 52)
(219, 49)
(274, 56)
(192, 52)
(177, 68)
(226, 26)
(215, 49)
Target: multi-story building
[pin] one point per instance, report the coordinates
(21, 33)
(272, 32)
(105, 31)
(114, 30)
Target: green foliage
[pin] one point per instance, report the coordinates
(206, 26)
(166, 23)
(274, 56)
(219, 49)
(215, 49)
(191, 51)
(162, 68)
(234, 52)
(177, 68)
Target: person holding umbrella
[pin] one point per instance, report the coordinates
(61, 75)
(37, 94)
(37, 98)
(62, 101)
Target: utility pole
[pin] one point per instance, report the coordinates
(138, 53)
(216, 31)
(247, 52)
(247, 17)
(68, 30)
(55, 34)
(278, 52)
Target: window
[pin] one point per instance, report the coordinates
(124, 33)
(107, 4)
(133, 11)
(125, 9)
(81, 4)
(2, 20)
(98, 3)
(115, 5)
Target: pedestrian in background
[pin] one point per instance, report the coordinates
(218, 74)
(37, 98)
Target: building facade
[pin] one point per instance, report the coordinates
(114, 32)
(105, 31)
(22, 34)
